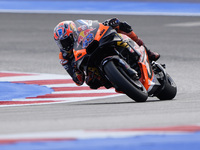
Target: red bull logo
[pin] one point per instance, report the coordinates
(84, 35)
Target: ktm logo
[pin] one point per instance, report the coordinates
(102, 32)
(79, 55)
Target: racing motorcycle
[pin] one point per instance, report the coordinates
(120, 63)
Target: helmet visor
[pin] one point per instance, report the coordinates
(67, 43)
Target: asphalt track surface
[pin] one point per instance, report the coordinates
(27, 45)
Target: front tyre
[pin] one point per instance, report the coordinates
(132, 88)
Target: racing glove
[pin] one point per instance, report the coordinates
(114, 22)
(94, 79)
(78, 76)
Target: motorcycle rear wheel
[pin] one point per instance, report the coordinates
(169, 90)
(122, 81)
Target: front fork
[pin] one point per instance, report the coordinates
(116, 59)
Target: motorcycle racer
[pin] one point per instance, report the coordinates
(65, 33)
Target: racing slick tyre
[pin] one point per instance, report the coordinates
(120, 80)
(169, 89)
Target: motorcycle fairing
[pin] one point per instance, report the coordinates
(88, 31)
(147, 78)
(91, 31)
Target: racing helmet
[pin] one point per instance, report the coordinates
(65, 34)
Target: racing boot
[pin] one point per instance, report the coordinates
(119, 91)
(153, 56)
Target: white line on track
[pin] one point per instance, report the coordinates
(35, 77)
(66, 100)
(84, 134)
(85, 91)
(186, 24)
(64, 85)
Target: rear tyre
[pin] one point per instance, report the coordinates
(169, 89)
(120, 80)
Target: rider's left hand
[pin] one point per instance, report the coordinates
(114, 22)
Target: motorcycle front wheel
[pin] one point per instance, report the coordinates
(120, 80)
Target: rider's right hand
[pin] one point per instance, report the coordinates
(78, 77)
